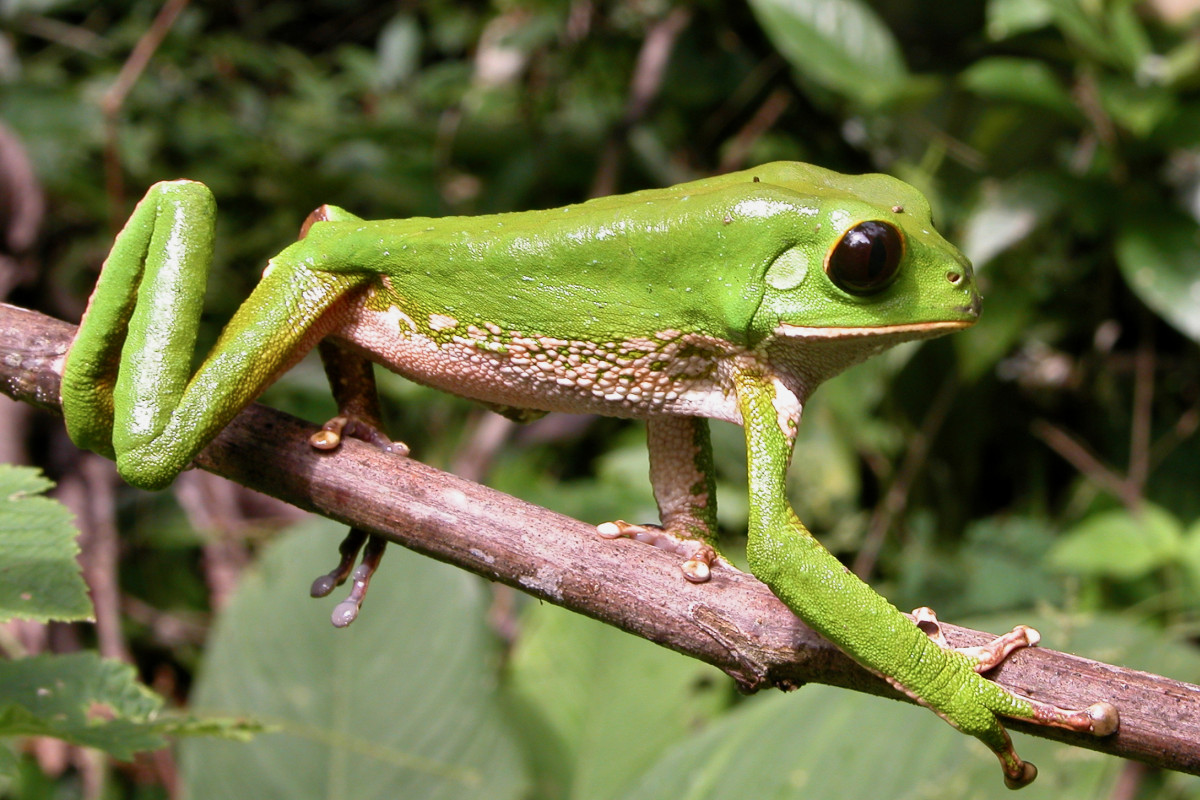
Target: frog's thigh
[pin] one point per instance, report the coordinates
(684, 487)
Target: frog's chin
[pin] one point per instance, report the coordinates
(807, 356)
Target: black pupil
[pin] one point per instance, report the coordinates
(866, 258)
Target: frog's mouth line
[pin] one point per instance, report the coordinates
(917, 330)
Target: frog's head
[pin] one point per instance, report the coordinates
(860, 269)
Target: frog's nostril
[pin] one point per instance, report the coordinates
(954, 276)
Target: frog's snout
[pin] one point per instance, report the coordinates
(961, 276)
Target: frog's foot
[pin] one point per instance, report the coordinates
(699, 555)
(1098, 719)
(346, 611)
(331, 433)
(985, 656)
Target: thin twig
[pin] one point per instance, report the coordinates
(114, 98)
(1143, 409)
(732, 622)
(762, 121)
(1077, 454)
(896, 498)
(643, 89)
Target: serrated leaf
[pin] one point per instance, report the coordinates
(1119, 543)
(1159, 256)
(39, 576)
(81, 698)
(585, 691)
(841, 45)
(401, 704)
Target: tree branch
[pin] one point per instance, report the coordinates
(732, 622)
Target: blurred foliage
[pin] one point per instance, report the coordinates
(1044, 461)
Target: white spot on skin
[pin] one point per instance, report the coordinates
(787, 409)
(761, 208)
(442, 322)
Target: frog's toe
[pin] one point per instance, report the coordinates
(331, 434)
(697, 567)
(985, 656)
(1098, 719)
(348, 551)
(347, 611)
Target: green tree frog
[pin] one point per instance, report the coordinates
(728, 298)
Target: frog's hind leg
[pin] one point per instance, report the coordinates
(352, 380)
(681, 471)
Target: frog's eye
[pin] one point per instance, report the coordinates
(865, 259)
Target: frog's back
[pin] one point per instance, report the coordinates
(688, 258)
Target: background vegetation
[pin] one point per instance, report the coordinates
(1040, 468)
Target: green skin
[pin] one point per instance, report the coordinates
(712, 299)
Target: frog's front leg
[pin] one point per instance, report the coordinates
(681, 472)
(835, 603)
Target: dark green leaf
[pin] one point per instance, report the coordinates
(587, 690)
(1023, 80)
(39, 576)
(81, 698)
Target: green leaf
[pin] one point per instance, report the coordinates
(1006, 213)
(39, 576)
(586, 691)
(827, 742)
(1138, 108)
(83, 699)
(401, 704)
(1022, 80)
(1006, 557)
(841, 45)
(1120, 544)
(1159, 255)
(399, 51)
(1190, 556)
(1007, 18)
